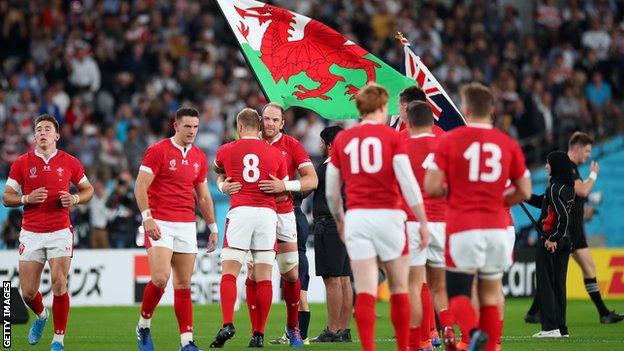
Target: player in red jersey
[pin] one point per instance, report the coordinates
(251, 221)
(409, 94)
(43, 176)
(421, 144)
(372, 161)
(172, 172)
(297, 161)
(476, 161)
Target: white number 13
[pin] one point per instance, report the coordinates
(473, 154)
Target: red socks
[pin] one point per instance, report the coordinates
(414, 338)
(228, 297)
(446, 318)
(264, 297)
(183, 308)
(500, 326)
(60, 311)
(490, 323)
(400, 314)
(291, 292)
(151, 297)
(250, 293)
(464, 314)
(365, 320)
(36, 304)
(427, 313)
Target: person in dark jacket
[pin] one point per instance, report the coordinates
(553, 247)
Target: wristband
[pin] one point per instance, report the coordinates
(24, 199)
(292, 185)
(593, 175)
(76, 199)
(213, 228)
(220, 186)
(147, 214)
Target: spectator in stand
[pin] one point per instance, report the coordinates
(98, 216)
(11, 229)
(134, 148)
(85, 75)
(122, 210)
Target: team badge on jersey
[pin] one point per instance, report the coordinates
(172, 165)
(59, 171)
(196, 167)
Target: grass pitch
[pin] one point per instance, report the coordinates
(112, 328)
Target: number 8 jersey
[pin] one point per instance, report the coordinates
(477, 160)
(248, 161)
(364, 156)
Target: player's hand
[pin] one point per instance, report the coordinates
(594, 167)
(424, 237)
(550, 245)
(67, 199)
(273, 186)
(213, 240)
(37, 196)
(231, 187)
(151, 229)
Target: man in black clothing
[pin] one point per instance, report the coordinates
(331, 259)
(579, 151)
(553, 246)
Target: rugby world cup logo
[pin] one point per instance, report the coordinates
(172, 165)
(33, 172)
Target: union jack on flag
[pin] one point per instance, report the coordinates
(446, 113)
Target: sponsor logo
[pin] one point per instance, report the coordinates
(184, 162)
(172, 165)
(21, 249)
(616, 286)
(47, 168)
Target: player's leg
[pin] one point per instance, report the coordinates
(365, 280)
(346, 308)
(59, 269)
(584, 259)
(400, 310)
(263, 262)
(288, 264)
(489, 289)
(182, 265)
(419, 327)
(30, 276)
(436, 280)
(303, 229)
(232, 260)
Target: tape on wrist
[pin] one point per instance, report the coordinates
(147, 214)
(593, 175)
(24, 199)
(220, 186)
(213, 228)
(76, 199)
(292, 185)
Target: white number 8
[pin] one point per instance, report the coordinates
(251, 173)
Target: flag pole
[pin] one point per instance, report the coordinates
(535, 225)
(240, 47)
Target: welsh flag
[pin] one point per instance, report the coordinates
(301, 62)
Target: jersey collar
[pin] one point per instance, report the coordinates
(368, 121)
(42, 156)
(250, 137)
(421, 135)
(276, 138)
(183, 150)
(327, 160)
(480, 125)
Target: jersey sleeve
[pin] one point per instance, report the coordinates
(15, 180)
(78, 174)
(218, 161)
(440, 155)
(399, 145)
(335, 152)
(203, 170)
(300, 156)
(518, 167)
(152, 161)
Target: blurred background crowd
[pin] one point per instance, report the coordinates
(113, 72)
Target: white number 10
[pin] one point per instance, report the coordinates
(473, 154)
(362, 154)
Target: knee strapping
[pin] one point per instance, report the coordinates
(287, 261)
(229, 254)
(263, 257)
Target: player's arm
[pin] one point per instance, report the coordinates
(434, 176)
(333, 185)
(143, 181)
(12, 198)
(206, 207)
(411, 192)
(307, 183)
(85, 193)
(522, 191)
(583, 188)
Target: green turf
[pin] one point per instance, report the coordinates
(112, 328)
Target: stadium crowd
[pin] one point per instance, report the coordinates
(114, 72)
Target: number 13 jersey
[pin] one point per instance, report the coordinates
(477, 160)
(248, 161)
(364, 156)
